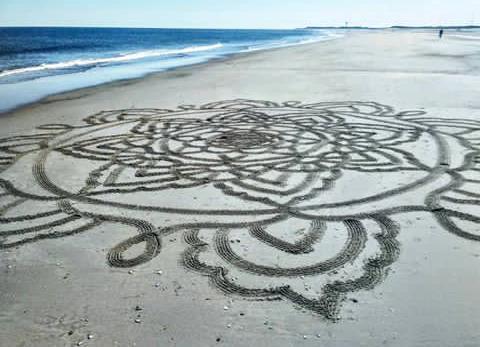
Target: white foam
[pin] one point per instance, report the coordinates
(325, 37)
(117, 59)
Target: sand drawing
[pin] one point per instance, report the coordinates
(274, 201)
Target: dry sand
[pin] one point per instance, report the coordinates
(337, 220)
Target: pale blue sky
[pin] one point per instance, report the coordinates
(236, 13)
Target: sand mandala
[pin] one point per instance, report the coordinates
(274, 201)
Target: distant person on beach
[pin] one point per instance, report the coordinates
(440, 33)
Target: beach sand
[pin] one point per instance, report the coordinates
(377, 243)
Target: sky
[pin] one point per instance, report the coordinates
(237, 13)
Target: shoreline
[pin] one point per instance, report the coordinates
(128, 81)
(88, 90)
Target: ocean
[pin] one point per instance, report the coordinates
(37, 62)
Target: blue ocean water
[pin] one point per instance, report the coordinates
(36, 62)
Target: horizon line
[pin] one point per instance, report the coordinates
(246, 28)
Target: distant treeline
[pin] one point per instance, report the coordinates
(438, 27)
(401, 27)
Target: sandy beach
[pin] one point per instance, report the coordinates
(325, 194)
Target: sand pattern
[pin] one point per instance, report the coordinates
(274, 200)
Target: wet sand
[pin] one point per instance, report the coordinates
(325, 194)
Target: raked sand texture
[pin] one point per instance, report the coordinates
(319, 195)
